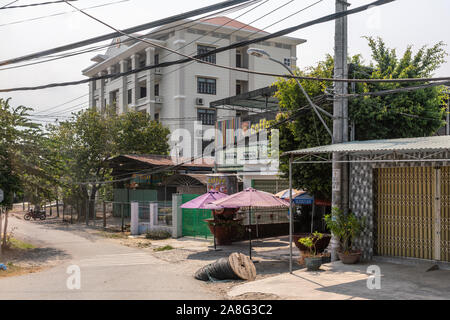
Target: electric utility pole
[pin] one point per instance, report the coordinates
(447, 126)
(340, 113)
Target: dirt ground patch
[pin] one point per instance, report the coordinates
(192, 254)
(14, 270)
(21, 257)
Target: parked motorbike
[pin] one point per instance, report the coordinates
(35, 215)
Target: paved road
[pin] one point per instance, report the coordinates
(108, 270)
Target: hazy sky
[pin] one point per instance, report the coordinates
(403, 22)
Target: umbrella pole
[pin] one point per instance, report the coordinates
(214, 235)
(250, 231)
(291, 214)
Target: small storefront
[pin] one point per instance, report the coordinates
(402, 188)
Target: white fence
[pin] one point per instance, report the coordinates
(152, 216)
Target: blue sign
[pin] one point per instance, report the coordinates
(305, 199)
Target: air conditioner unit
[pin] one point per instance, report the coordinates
(199, 101)
(158, 71)
(159, 99)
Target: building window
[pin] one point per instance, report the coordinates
(241, 87)
(238, 59)
(206, 116)
(129, 65)
(287, 61)
(206, 85)
(141, 60)
(157, 117)
(130, 96)
(156, 58)
(157, 90)
(205, 49)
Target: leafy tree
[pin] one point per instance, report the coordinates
(406, 114)
(18, 152)
(86, 143)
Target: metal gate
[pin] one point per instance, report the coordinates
(413, 212)
(193, 224)
(445, 214)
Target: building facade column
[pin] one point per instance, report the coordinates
(134, 81)
(107, 93)
(150, 60)
(102, 104)
(92, 88)
(123, 91)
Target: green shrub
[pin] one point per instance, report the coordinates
(158, 235)
(165, 248)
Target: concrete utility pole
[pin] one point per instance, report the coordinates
(340, 112)
(447, 131)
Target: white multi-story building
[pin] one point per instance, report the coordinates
(179, 95)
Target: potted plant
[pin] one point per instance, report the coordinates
(225, 231)
(346, 227)
(225, 226)
(313, 261)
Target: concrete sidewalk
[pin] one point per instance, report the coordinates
(337, 281)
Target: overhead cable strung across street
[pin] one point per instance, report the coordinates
(245, 43)
(34, 4)
(60, 13)
(257, 31)
(187, 24)
(392, 91)
(190, 24)
(294, 115)
(109, 36)
(6, 5)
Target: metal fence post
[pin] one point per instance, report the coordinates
(78, 210)
(122, 216)
(87, 212)
(104, 214)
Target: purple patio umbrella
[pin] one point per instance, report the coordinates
(251, 198)
(204, 202)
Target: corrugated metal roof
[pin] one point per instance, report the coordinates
(158, 160)
(406, 144)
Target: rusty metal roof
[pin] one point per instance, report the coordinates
(374, 146)
(157, 160)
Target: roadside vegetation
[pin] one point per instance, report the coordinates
(402, 115)
(165, 248)
(68, 161)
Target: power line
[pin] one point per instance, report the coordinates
(60, 13)
(280, 33)
(296, 114)
(62, 104)
(189, 24)
(207, 9)
(6, 5)
(221, 26)
(393, 91)
(257, 31)
(33, 4)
